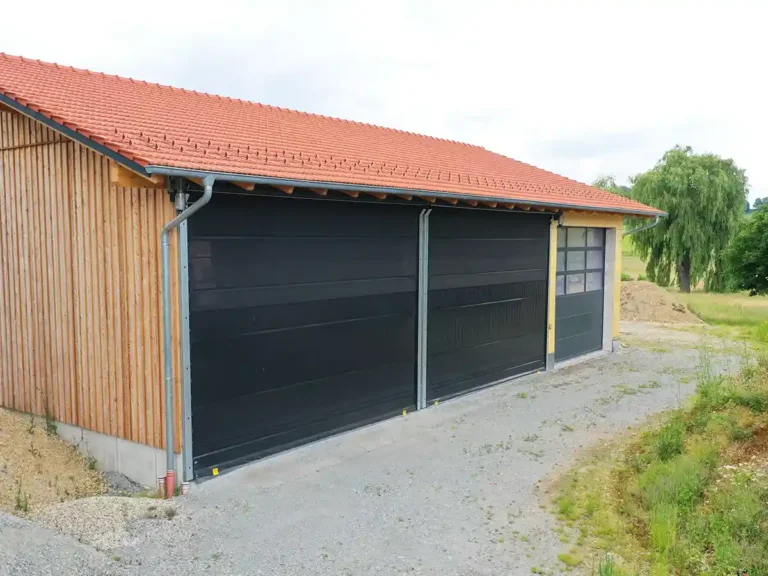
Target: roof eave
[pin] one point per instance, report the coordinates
(269, 181)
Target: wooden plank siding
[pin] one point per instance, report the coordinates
(80, 288)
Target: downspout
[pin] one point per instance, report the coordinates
(644, 227)
(170, 476)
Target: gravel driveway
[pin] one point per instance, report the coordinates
(452, 490)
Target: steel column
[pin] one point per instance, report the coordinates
(423, 294)
(186, 380)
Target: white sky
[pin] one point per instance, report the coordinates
(582, 88)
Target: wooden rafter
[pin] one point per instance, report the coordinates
(245, 185)
(121, 176)
(471, 202)
(286, 189)
(430, 198)
(405, 196)
(351, 193)
(450, 200)
(379, 195)
(320, 191)
(491, 204)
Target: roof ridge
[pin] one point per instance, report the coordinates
(231, 99)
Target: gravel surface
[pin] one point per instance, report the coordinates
(453, 490)
(121, 485)
(30, 550)
(103, 521)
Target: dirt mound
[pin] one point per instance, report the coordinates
(647, 302)
(37, 468)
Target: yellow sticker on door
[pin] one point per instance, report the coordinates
(215, 471)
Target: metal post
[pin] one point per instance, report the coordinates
(186, 376)
(425, 309)
(422, 310)
(419, 316)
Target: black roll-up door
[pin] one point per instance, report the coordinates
(302, 321)
(487, 300)
(580, 293)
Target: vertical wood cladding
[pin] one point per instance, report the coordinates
(80, 289)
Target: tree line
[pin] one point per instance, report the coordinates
(707, 235)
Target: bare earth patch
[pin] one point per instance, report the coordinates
(647, 302)
(38, 469)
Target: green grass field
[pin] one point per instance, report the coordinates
(687, 496)
(738, 313)
(631, 265)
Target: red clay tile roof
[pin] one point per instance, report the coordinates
(163, 126)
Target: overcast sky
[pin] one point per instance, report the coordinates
(577, 87)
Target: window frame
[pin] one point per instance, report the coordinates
(562, 253)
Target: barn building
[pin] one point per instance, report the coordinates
(319, 274)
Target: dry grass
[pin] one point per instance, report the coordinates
(38, 469)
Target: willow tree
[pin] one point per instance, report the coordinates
(704, 196)
(609, 183)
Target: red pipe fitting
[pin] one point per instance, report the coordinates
(170, 484)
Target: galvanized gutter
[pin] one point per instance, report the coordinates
(645, 227)
(170, 478)
(268, 181)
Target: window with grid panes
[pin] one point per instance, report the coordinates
(580, 260)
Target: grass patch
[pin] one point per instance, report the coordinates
(625, 390)
(739, 314)
(570, 559)
(631, 264)
(688, 495)
(650, 385)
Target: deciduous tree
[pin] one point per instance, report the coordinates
(704, 197)
(747, 254)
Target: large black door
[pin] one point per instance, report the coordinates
(487, 301)
(302, 321)
(579, 304)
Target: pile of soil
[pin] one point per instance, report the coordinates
(38, 469)
(647, 302)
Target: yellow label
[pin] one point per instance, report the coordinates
(437, 402)
(405, 412)
(215, 471)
